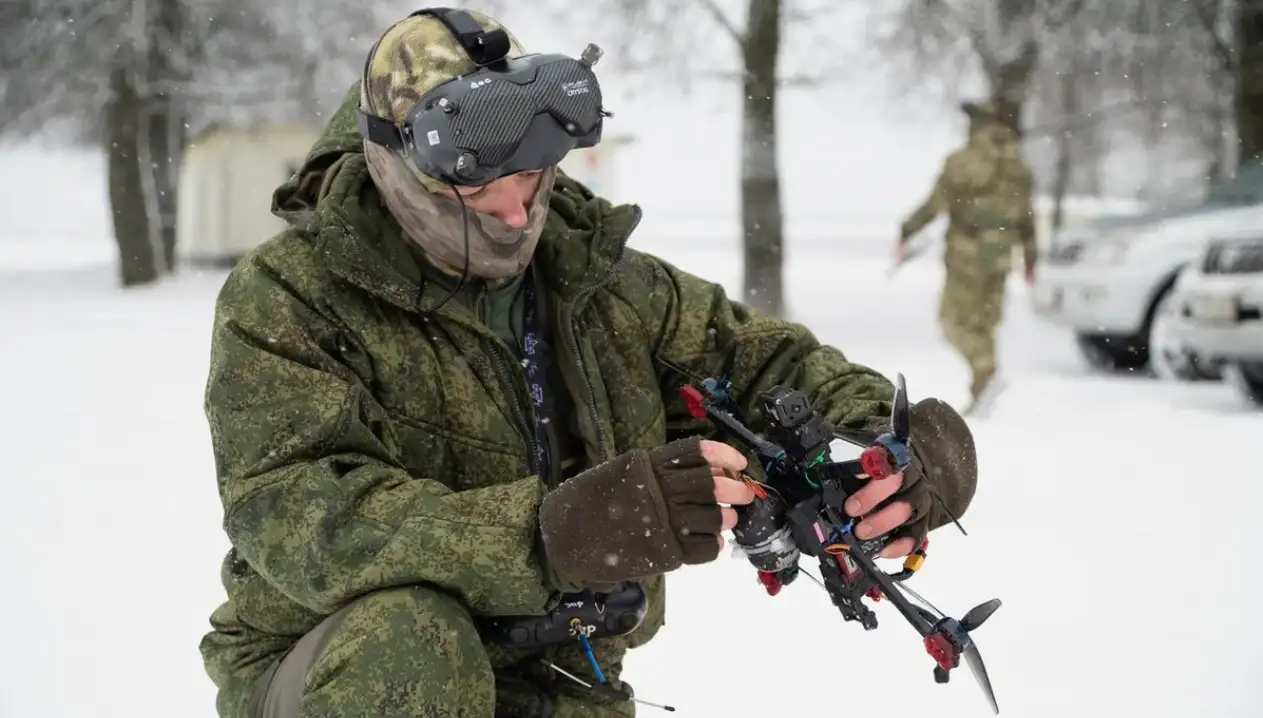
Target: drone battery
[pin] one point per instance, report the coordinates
(763, 533)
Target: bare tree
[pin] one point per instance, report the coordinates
(999, 40)
(1090, 77)
(132, 76)
(1179, 69)
(118, 73)
(678, 37)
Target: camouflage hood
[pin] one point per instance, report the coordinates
(333, 197)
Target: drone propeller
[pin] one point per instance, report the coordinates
(900, 420)
(973, 659)
(900, 413)
(946, 639)
(951, 639)
(972, 620)
(979, 614)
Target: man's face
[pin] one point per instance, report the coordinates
(507, 199)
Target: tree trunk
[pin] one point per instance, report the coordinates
(1065, 140)
(138, 261)
(165, 125)
(1214, 145)
(1011, 75)
(1090, 162)
(165, 138)
(1249, 92)
(762, 224)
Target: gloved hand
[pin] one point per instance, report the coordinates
(644, 513)
(942, 454)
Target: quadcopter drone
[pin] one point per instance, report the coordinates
(798, 510)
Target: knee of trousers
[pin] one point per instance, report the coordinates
(401, 651)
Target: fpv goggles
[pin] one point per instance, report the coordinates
(510, 115)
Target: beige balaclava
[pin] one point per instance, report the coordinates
(411, 58)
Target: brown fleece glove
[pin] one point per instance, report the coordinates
(644, 513)
(942, 454)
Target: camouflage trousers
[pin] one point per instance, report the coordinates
(412, 651)
(970, 309)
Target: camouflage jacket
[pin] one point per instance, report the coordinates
(361, 445)
(986, 190)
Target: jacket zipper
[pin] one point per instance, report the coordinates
(509, 385)
(527, 415)
(523, 416)
(574, 332)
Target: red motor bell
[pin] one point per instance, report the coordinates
(694, 400)
(876, 462)
(770, 583)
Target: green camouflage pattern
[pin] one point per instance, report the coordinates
(986, 190)
(969, 312)
(412, 651)
(363, 447)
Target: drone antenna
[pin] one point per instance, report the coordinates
(679, 369)
(943, 505)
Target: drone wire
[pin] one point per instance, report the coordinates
(811, 576)
(759, 488)
(589, 686)
(464, 275)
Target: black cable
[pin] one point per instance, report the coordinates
(464, 275)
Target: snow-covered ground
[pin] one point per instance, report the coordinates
(1114, 517)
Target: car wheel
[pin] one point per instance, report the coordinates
(1112, 353)
(1169, 360)
(1247, 377)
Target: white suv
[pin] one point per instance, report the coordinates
(1219, 309)
(1110, 282)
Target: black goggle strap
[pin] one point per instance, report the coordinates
(371, 127)
(383, 132)
(483, 47)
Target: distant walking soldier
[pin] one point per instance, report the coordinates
(986, 189)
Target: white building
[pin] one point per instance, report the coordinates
(227, 177)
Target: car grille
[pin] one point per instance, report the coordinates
(1234, 258)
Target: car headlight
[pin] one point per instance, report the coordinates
(1109, 250)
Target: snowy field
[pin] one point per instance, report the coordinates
(1120, 550)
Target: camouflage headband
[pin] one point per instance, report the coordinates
(413, 57)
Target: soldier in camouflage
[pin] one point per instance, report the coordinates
(985, 188)
(374, 454)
